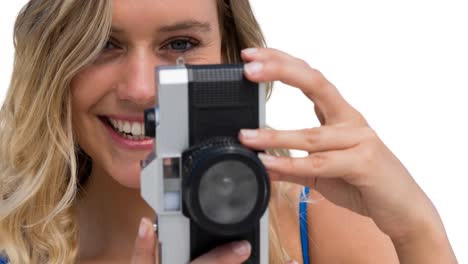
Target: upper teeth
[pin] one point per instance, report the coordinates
(135, 128)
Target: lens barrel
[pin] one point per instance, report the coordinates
(225, 186)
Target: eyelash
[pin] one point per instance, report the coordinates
(193, 43)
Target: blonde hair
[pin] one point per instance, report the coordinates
(40, 164)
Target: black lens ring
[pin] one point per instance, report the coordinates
(227, 229)
(205, 160)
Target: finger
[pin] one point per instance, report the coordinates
(319, 115)
(232, 253)
(317, 139)
(267, 65)
(330, 164)
(143, 252)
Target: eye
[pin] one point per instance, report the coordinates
(110, 45)
(181, 44)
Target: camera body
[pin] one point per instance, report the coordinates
(206, 188)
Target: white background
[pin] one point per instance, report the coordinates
(403, 64)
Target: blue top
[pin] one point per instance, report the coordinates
(3, 260)
(303, 225)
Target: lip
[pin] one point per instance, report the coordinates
(126, 143)
(130, 118)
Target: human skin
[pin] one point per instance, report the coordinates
(347, 164)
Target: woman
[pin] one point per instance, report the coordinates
(70, 190)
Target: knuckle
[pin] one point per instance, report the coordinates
(318, 161)
(288, 165)
(366, 155)
(317, 79)
(274, 51)
(358, 118)
(302, 63)
(370, 134)
(269, 135)
(275, 67)
(312, 137)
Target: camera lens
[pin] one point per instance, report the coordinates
(225, 186)
(228, 192)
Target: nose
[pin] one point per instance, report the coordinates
(139, 85)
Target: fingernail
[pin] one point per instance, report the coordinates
(249, 51)
(292, 262)
(241, 248)
(253, 67)
(249, 133)
(265, 158)
(144, 227)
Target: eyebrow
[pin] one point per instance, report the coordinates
(188, 24)
(177, 26)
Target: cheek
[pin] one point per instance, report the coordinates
(89, 86)
(92, 95)
(83, 97)
(81, 100)
(85, 94)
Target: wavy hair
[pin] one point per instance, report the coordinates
(40, 164)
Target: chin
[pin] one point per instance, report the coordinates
(127, 177)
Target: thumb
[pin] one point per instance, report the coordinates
(232, 253)
(143, 252)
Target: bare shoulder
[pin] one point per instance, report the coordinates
(343, 236)
(336, 235)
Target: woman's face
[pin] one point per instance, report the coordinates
(109, 96)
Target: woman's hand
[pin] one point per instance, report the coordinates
(347, 162)
(145, 249)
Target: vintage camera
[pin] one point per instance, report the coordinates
(206, 188)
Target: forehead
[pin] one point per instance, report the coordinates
(139, 14)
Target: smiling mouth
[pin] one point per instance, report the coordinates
(132, 130)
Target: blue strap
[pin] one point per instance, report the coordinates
(303, 225)
(3, 260)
